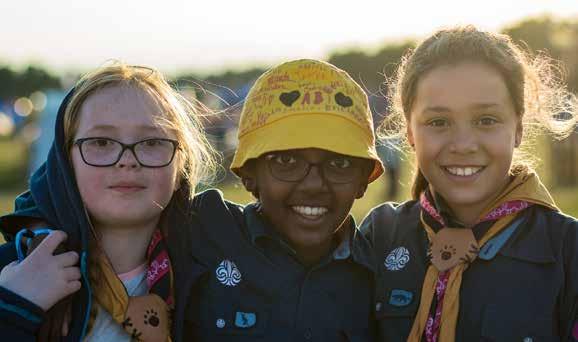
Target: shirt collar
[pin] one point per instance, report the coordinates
(343, 250)
(257, 228)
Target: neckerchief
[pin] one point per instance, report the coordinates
(524, 190)
(145, 318)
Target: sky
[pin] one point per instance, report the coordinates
(205, 36)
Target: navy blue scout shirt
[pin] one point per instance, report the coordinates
(526, 289)
(260, 291)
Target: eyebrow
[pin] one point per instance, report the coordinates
(486, 106)
(436, 109)
(477, 106)
(143, 128)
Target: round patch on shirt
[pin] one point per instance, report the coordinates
(228, 274)
(397, 259)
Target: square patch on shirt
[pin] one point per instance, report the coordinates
(400, 298)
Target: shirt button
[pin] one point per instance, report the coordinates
(528, 339)
(307, 334)
(378, 306)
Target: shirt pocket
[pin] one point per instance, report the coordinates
(235, 313)
(501, 325)
(241, 320)
(395, 311)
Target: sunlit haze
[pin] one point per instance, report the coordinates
(209, 35)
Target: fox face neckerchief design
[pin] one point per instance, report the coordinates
(451, 246)
(437, 319)
(145, 318)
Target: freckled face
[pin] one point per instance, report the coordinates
(125, 193)
(464, 130)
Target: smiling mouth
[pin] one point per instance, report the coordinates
(310, 212)
(463, 171)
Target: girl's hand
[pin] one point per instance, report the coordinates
(44, 278)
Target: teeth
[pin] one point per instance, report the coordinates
(310, 211)
(463, 171)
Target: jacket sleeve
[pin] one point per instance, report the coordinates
(569, 303)
(379, 226)
(20, 319)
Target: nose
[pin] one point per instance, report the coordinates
(463, 140)
(314, 181)
(128, 159)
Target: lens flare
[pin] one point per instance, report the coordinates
(23, 106)
(39, 100)
(6, 125)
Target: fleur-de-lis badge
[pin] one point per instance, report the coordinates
(228, 274)
(397, 259)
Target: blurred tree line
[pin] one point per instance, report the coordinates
(22, 83)
(553, 37)
(557, 38)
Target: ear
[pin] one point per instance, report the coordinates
(519, 133)
(409, 135)
(249, 184)
(361, 190)
(249, 179)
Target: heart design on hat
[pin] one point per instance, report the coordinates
(289, 98)
(298, 97)
(343, 100)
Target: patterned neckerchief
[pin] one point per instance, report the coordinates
(428, 205)
(159, 272)
(436, 216)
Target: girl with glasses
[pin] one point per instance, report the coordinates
(128, 154)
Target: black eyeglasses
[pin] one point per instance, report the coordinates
(289, 167)
(102, 152)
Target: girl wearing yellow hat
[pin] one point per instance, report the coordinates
(293, 265)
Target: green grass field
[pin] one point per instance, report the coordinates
(13, 157)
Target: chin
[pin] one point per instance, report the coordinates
(312, 240)
(130, 217)
(462, 199)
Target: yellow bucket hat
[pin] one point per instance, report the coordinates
(306, 104)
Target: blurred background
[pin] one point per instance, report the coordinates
(214, 51)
